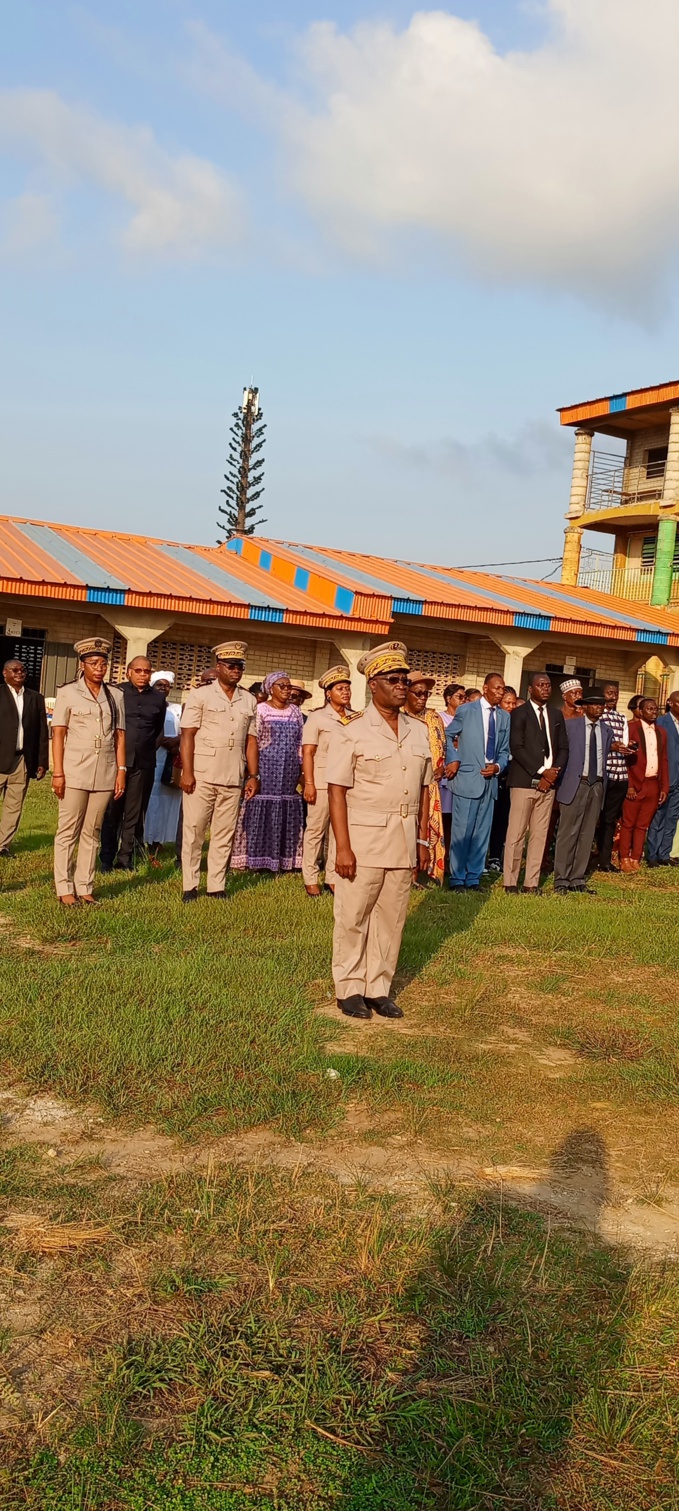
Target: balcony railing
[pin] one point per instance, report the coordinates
(612, 485)
(633, 585)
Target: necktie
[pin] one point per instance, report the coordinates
(543, 731)
(592, 769)
(490, 742)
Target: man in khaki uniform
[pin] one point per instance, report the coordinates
(336, 684)
(378, 774)
(88, 756)
(218, 744)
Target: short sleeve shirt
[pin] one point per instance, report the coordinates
(384, 774)
(222, 726)
(319, 730)
(89, 750)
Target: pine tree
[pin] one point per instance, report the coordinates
(244, 468)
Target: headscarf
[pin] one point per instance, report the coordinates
(271, 679)
(162, 677)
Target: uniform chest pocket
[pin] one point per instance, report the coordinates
(376, 768)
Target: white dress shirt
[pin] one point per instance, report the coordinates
(589, 727)
(485, 715)
(19, 700)
(537, 710)
(651, 738)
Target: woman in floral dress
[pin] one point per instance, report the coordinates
(270, 827)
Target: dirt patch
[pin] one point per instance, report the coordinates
(405, 1167)
(25, 941)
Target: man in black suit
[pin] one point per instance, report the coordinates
(24, 746)
(122, 831)
(538, 745)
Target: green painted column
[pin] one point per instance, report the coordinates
(664, 556)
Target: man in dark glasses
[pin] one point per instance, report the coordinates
(378, 773)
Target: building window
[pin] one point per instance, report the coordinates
(649, 546)
(656, 458)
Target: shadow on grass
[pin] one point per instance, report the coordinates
(380, 1363)
(437, 917)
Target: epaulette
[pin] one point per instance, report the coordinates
(352, 715)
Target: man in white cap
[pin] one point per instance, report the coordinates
(571, 693)
(318, 730)
(218, 749)
(378, 774)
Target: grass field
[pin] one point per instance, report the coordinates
(231, 1335)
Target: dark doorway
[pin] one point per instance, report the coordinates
(28, 647)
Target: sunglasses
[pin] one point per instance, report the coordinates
(233, 666)
(393, 678)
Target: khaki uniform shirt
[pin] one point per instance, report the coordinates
(222, 726)
(318, 731)
(385, 776)
(89, 748)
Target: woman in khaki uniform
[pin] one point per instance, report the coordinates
(336, 684)
(88, 757)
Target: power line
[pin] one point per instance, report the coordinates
(525, 561)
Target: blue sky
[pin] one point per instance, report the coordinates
(368, 219)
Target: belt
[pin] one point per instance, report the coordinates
(403, 811)
(591, 784)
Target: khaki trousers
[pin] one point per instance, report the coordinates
(13, 786)
(80, 819)
(318, 830)
(215, 807)
(530, 811)
(370, 912)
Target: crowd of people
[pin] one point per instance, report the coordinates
(362, 804)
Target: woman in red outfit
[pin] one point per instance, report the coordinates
(649, 782)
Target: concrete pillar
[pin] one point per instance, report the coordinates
(137, 628)
(670, 492)
(515, 646)
(570, 566)
(620, 552)
(580, 475)
(351, 648)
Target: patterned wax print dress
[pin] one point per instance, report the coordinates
(270, 827)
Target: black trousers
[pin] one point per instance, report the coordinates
(610, 813)
(123, 828)
(498, 832)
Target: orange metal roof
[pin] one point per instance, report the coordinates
(612, 404)
(285, 582)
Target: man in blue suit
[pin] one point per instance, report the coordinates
(662, 828)
(482, 733)
(581, 792)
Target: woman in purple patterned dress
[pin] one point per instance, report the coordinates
(270, 827)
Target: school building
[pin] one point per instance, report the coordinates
(305, 606)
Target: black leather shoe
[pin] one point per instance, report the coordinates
(511, 889)
(218, 894)
(531, 891)
(589, 890)
(354, 1007)
(105, 866)
(6, 854)
(191, 896)
(562, 891)
(384, 1007)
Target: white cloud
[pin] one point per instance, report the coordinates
(556, 164)
(27, 223)
(536, 449)
(180, 205)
